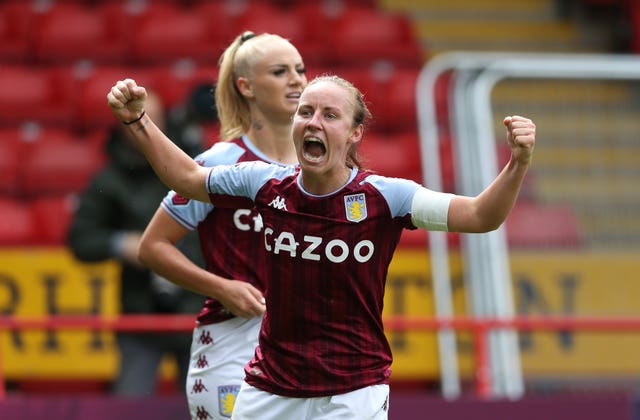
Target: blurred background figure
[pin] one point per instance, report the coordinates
(111, 215)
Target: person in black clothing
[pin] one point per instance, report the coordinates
(111, 215)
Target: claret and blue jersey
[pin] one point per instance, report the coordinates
(326, 265)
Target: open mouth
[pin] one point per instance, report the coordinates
(295, 96)
(313, 149)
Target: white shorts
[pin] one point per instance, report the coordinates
(219, 353)
(369, 403)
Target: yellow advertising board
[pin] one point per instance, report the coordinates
(38, 282)
(596, 284)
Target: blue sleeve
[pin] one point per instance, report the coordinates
(397, 192)
(244, 179)
(189, 213)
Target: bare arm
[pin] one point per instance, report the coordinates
(175, 168)
(158, 251)
(488, 210)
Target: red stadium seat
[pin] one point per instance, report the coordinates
(12, 151)
(447, 163)
(94, 85)
(363, 36)
(329, 3)
(52, 216)
(289, 24)
(68, 32)
(175, 83)
(33, 94)
(542, 225)
(394, 156)
(14, 34)
(223, 19)
(390, 93)
(60, 163)
(169, 35)
(17, 226)
(400, 104)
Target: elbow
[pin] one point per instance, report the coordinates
(487, 225)
(479, 225)
(145, 252)
(491, 227)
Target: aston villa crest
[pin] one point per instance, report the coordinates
(355, 205)
(227, 395)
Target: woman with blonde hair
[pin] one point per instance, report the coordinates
(259, 84)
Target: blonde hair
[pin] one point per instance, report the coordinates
(361, 113)
(237, 61)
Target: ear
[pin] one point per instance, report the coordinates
(244, 87)
(356, 135)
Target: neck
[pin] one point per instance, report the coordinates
(325, 183)
(275, 142)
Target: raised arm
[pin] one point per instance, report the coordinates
(488, 210)
(176, 169)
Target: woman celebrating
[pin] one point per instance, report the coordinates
(329, 231)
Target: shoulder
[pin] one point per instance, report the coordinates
(397, 192)
(221, 153)
(258, 168)
(386, 184)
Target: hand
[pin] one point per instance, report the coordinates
(126, 100)
(521, 137)
(242, 299)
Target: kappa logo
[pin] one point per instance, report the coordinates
(179, 200)
(227, 395)
(205, 338)
(355, 205)
(198, 387)
(278, 203)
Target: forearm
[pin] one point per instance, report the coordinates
(165, 259)
(492, 206)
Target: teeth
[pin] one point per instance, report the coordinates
(314, 157)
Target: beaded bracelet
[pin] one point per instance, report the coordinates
(136, 120)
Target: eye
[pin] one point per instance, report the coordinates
(304, 112)
(279, 72)
(302, 70)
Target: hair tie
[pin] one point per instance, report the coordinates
(247, 36)
(134, 120)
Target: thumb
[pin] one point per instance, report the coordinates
(507, 120)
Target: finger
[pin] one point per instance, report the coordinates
(113, 102)
(115, 98)
(118, 91)
(124, 87)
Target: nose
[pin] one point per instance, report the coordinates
(314, 121)
(298, 78)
